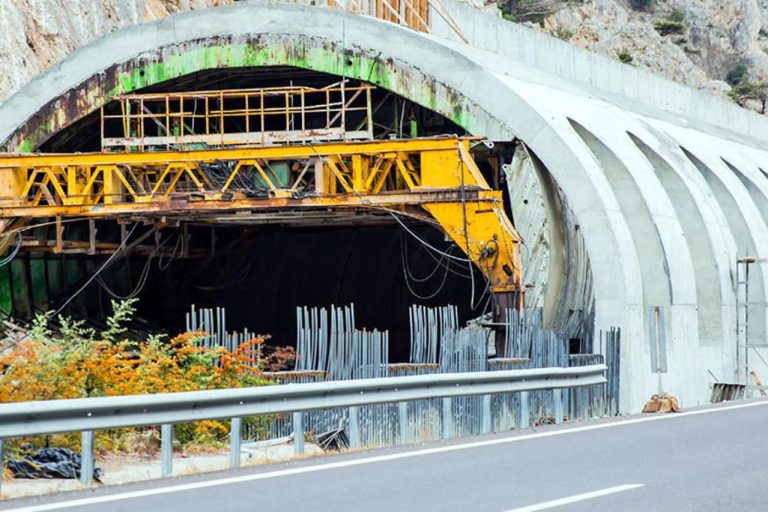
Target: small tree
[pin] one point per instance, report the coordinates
(745, 91)
(736, 74)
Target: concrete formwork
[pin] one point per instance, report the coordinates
(662, 207)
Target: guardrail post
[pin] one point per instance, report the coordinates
(487, 414)
(558, 399)
(354, 427)
(525, 414)
(86, 457)
(402, 411)
(166, 450)
(447, 418)
(298, 432)
(235, 442)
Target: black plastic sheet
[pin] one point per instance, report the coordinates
(49, 463)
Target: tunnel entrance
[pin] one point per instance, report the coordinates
(260, 271)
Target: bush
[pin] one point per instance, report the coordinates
(666, 27)
(75, 363)
(737, 74)
(563, 33)
(624, 56)
(533, 11)
(746, 91)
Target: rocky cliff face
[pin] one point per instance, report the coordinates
(695, 42)
(36, 33)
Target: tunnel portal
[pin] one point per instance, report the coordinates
(258, 268)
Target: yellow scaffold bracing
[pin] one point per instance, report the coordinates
(433, 175)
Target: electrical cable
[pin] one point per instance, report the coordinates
(139, 284)
(142, 281)
(174, 255)
(404, 258)
(427, 245)
(21, 229)
(98, 271)
(233, 282)
(413, 292)
(14, 252)
(473, 304)
(448, 263)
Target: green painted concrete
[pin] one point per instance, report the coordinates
(316, 57)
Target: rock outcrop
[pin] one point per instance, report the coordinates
(36, 33)
(695, 42)
(711, 37)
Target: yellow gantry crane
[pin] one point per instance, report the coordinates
(328, 171)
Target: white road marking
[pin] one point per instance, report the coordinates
(577, 498)
(95, 500)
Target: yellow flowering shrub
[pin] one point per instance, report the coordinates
(75, 362)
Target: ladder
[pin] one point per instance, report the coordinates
(744, 347)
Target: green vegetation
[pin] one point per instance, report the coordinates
(743, 89)
(737, 74)
(746, 91)
(624, 56)
(533, 11)
(563, 33)
(72, 361)
(668, 26)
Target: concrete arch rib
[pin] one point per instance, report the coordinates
(744, 219)
(748, 170)
(708, 236)
(663, 255)
(582, 179)
(659, 239)
(708, 285)
(418, 67)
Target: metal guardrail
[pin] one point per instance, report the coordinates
(89, 414)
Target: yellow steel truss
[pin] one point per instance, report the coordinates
(433, 175)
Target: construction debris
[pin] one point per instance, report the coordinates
(334, 440)
(49, 463)
(663, 402)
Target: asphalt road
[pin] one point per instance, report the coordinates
(710, 459)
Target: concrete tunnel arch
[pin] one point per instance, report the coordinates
(433, 73)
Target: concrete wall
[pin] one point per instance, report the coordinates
(663, 203)
(605, 77)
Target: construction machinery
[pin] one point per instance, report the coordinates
(267, 155)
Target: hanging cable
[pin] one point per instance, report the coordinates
(413, 292)
(142, 281)
(404, 258)
(174, 255)
(14, 251)
(22, 229)
(139, 284)
(449, 264)
(427, 245)
(99, 270)
(233, 282)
